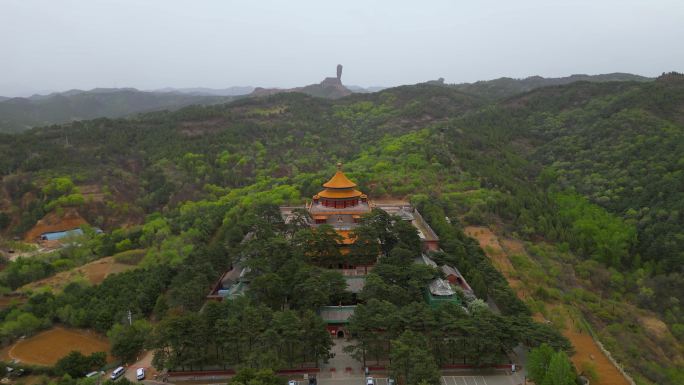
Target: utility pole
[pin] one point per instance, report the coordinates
(130, 318)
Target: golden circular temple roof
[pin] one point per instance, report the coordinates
(339, 187)
(340, 194)
(339, 180)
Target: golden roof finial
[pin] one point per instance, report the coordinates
(339, 166)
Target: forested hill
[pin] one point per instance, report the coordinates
(619, 144)
(506, 87)
(622, 146)
(18, 114)
(595, 168)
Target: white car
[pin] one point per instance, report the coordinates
(140, 374)
(292, 382)
(370, 381)
(93, 374)
(118, 372)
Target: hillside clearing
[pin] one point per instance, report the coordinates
(68, 220)
(586, 349)
(94, 273)
(48, 347)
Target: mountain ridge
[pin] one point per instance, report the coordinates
(504, 87)
(19, 113)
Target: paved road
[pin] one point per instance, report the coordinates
(342, 364)
(145, 361)
(349, 381)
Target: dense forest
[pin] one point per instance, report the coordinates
(592, 168)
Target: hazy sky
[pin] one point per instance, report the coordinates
(147, 44)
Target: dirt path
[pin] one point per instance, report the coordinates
(498, 252)
(586, 349)
(490, 244)
(144, 361)
(587, 352)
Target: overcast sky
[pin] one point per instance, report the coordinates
(148, 44)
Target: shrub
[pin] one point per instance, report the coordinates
(130, 257)
(678, 331)
(75, 364)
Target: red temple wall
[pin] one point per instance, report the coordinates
(340, 204)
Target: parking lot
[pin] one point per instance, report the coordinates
(489, 379)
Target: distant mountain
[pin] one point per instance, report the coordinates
(75, 91)
(329, 88)
(506, 87)
(245, 90)
(203, 91)
(18, 114)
